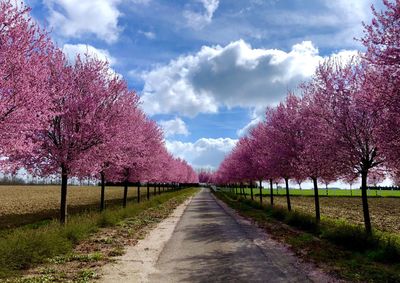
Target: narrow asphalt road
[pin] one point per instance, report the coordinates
(209, 244)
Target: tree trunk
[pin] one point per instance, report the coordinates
(102, 193)
(316, 200)
(251, 190)
(63, 202)
(148, 191)
(261, 192)
(289, 207)
(154, 189)
(138, 193)
(159, 189)
(367, 220)
(125, 194)
(272, 192)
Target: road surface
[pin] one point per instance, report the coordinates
(211, 244)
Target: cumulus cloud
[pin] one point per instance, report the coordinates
(174, 127)
(234, 75)
(74, 18)
(72, 50)
(198, 20)
(204, 153)
(257, 114)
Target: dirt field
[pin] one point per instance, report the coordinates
(385, 212)
(26, 204)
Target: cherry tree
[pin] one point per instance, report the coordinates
(81, 103)
(25, 52)
(382, 40)
(318, 145)
(396, 179)
(344, 102)
(142, 142)
(285, 147)
(261, 156)
(350, 178)
(124, 118)
(376, 176)
(205, 176)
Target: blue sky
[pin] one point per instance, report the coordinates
(206, 69)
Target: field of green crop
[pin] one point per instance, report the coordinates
(329, 192)
(384, 209)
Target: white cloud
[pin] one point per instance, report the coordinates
(348, 17)
(72, 50)
(74, 18)
(258, 113)
(136, 75)
(174, 127)
(234, 75)
(199, 20)
(148, 34)
(204, 153)
(354, 11)
(245, 130)
(141, 2)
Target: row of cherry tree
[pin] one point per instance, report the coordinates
(344, 123)
(76, 119)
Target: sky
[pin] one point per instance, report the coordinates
(207, 69)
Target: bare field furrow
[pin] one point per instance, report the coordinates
(26, 204)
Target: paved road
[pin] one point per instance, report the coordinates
(210, 245)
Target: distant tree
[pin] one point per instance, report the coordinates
(351, 179)
(376, 176)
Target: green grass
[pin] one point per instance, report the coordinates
(323, 192)
(25, 247)
(337, 246)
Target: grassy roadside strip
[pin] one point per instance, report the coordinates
(337, 247)
(27, 247)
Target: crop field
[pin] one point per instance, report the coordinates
(343, 204)
(385, 212)
(329, 192)
(26, 204)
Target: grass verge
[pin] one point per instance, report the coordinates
(23, 248)
(337, 247)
